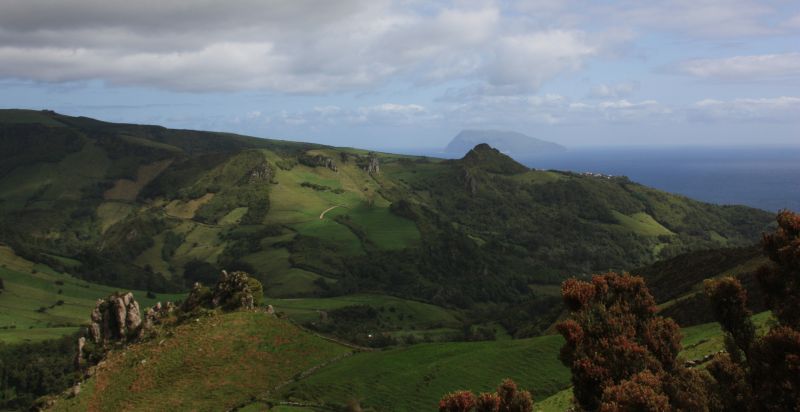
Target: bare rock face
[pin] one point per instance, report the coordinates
(115, 319)
(79, 359)
(374, 165)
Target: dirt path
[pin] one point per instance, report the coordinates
(322, 215)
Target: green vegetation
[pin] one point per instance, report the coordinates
(383, 380)
(38, 303)
(482, 235)
(216, 363)
(35, 369)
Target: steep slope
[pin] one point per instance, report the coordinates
(677, 283)
(156, 209)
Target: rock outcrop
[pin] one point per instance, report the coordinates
(312, 160)
(154, 315)
(261, 173)
(373, 166)
(115, 319)
(235, 290)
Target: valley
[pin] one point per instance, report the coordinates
(438, 274)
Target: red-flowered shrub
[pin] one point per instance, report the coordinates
(761, 374)
(617, 348)
(508, 398)
(458, 401)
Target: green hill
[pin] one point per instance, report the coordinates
(214, 363)
(156, 209)
(677, 283)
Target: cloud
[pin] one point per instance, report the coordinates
(527, 61)
(286, 46)
(775, 109)
(755, 67)
(605, 91)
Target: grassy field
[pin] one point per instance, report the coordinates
(39, 303)
(216, 363)
(403, 313)
(700, 340)
(642, 223)
(560, 402)
(414, 378)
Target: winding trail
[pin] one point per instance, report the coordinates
(322, 215)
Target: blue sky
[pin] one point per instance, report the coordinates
(411, 74)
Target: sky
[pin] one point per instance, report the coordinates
(409, 74)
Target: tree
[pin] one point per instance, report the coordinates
(623, 356)
(761, 374)
(507, 398)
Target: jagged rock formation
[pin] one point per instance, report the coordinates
(115, 319)
(154, 315)
(317, 161)
(235, 290)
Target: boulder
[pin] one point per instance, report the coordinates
(115, 319)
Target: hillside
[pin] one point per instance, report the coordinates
(513, 143)
(155, 209)
(677, 283)
(253, 361)
(215, 363)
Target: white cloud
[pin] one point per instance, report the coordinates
(297, 46)
(776, 109)
(529, 60)
(754, 67)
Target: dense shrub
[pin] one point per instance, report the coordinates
(761, 374)
(623, 356)
(507, 398)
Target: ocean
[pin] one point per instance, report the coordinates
(764, 178)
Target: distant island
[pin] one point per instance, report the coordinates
(506, 141)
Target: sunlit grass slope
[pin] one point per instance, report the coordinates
(213, 364)
(414, 378)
